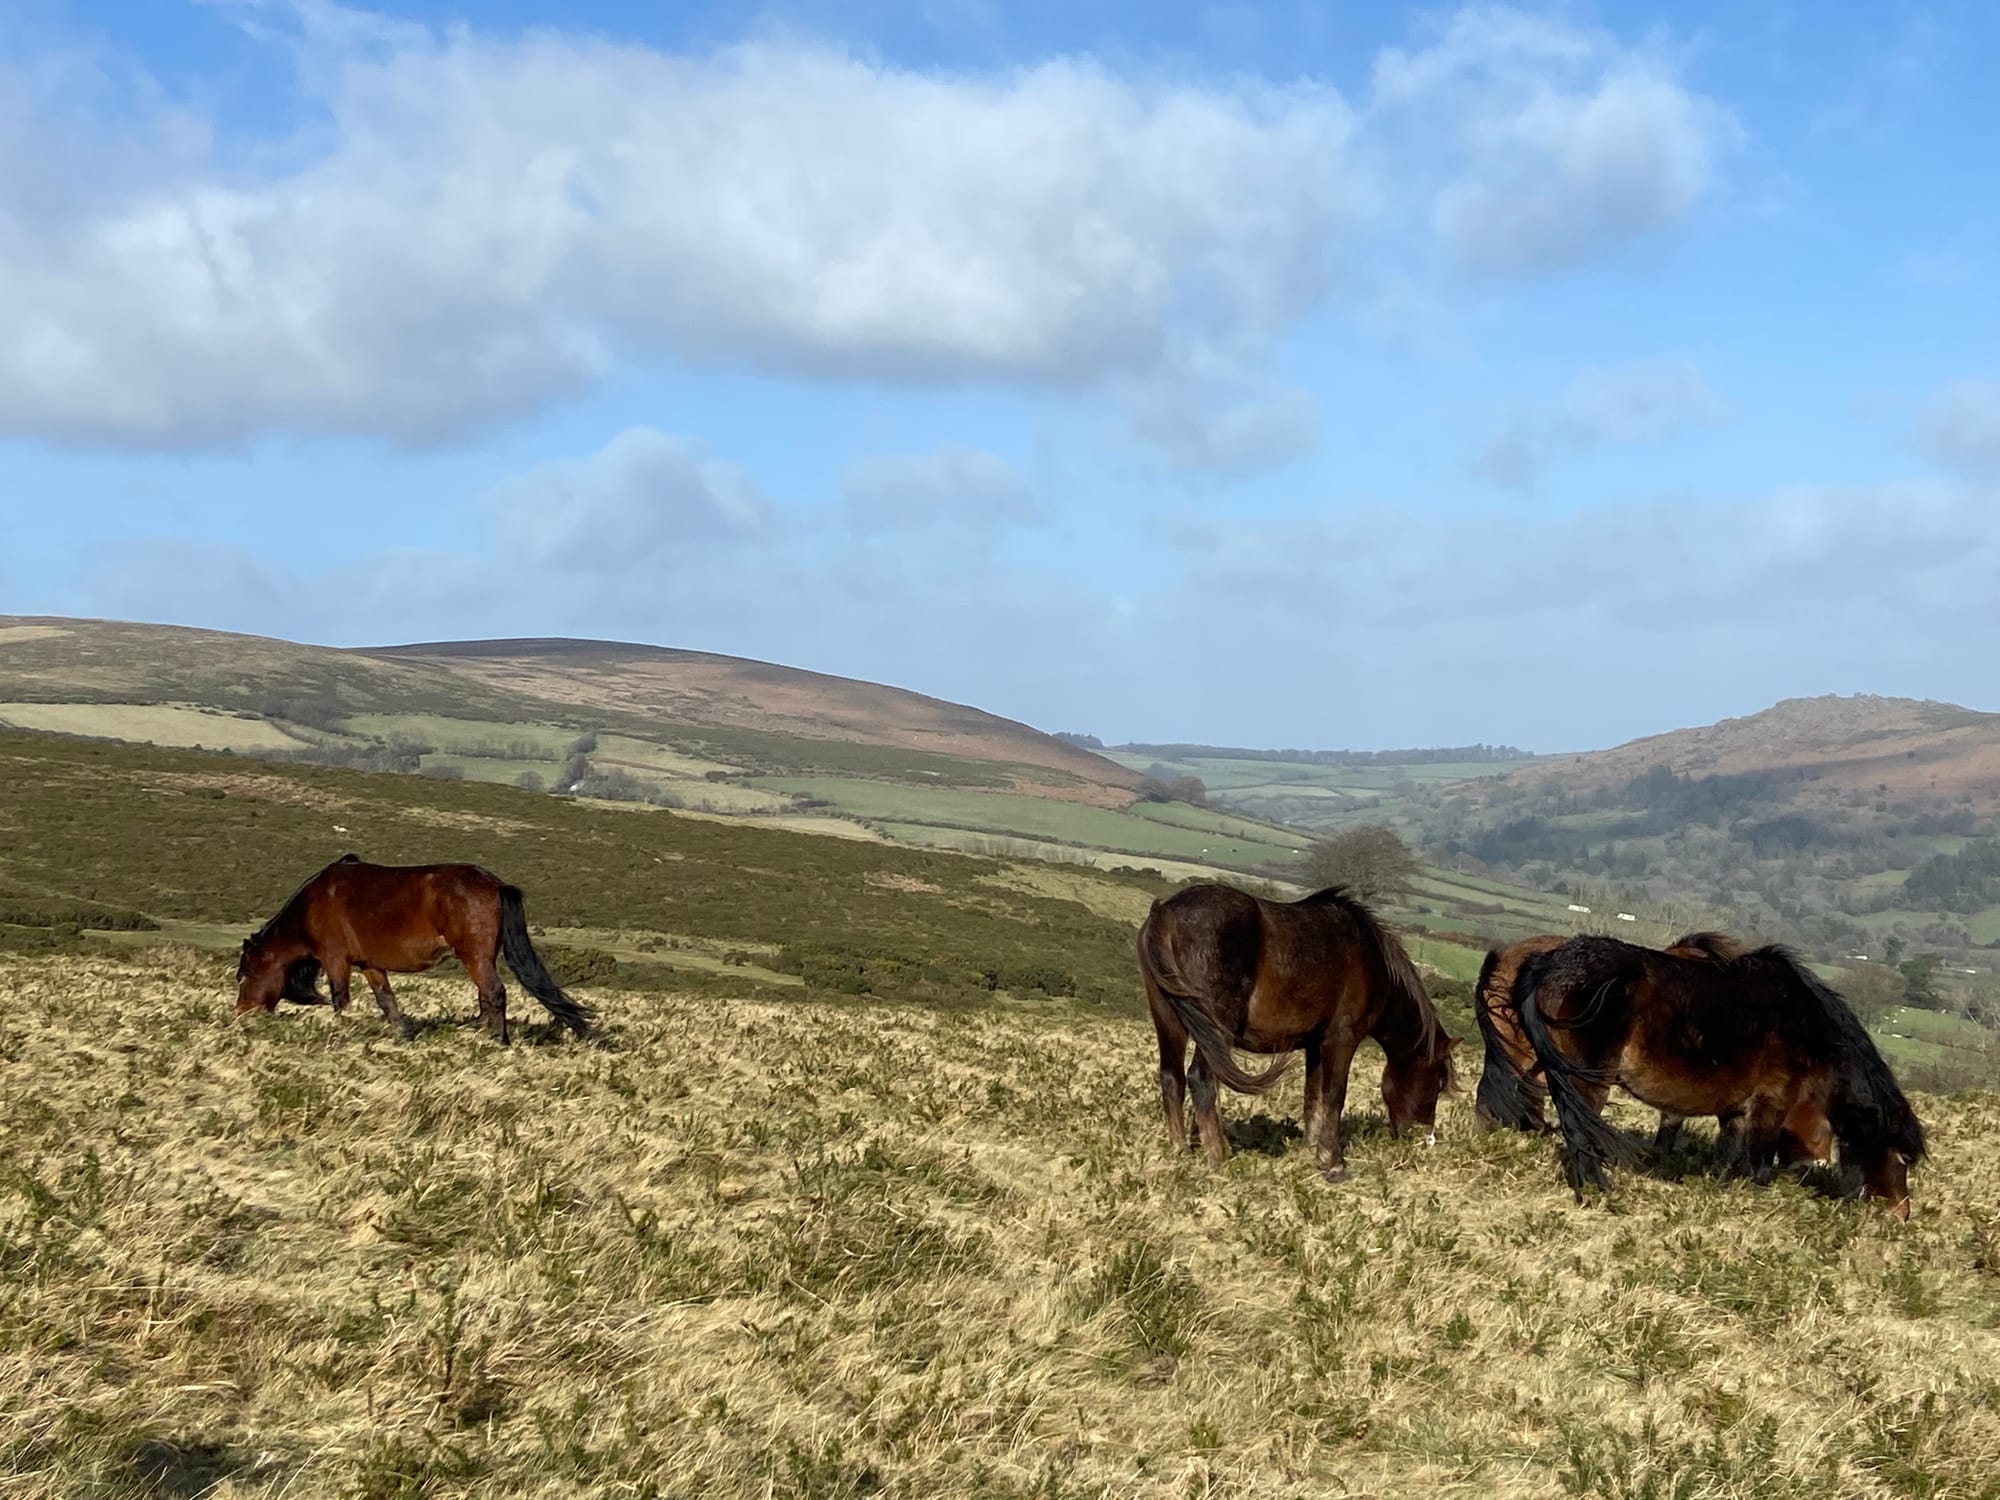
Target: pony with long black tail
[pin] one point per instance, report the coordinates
(399, 919)
(1756, 1040)
(1510, 1092)
(1231, 971)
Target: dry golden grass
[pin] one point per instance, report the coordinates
(814, 1249)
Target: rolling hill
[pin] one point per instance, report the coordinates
(660, 685)
(1846, 822)
(674, 694)
(711, 735)
(1821, 747)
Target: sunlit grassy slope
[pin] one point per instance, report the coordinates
(864, 1192)
(794, 1246)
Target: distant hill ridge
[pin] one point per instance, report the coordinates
(59, 660)
(1861, 742)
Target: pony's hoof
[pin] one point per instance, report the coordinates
(1335, 1174)
(407, 1031)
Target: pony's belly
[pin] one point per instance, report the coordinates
(1266, 1042)
(407, 958)
(1687, 1092)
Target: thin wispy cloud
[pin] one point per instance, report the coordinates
(1635, 404)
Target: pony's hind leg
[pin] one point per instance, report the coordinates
(485, 973)
(1668, 1135)
(1173, 1065)
(1207, 1118)
(386, 998)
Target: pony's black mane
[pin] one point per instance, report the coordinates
(1869, 1106)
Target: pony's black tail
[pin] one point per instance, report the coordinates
(1505, 1096)
(527, 964)
(1590, 1143)
(1869, 1110)
(1157, 960)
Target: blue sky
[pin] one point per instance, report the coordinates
(1310, 375)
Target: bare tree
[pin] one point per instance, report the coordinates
(1372, 862)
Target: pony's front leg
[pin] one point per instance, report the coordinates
(1207, 1118)
(337, 975)
(391, 1011)
(1668, 1135)
(1328, 1060)
(1731, 1147)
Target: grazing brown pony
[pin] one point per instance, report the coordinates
(398, 919)
(1756, 1036)
(1509, 1091)
(1229, 970)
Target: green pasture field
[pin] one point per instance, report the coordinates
(490, 768)
(150, 723)
(1247, 845)
(464, 736)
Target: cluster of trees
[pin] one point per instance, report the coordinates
(1966, 881)
(576, 765)
(1161, 785)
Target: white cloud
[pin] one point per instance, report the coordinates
(1644, 402)
(493, 221)
(643, 500)
(951, 485)
(1960, 429)
(475, 224)
(1222, 426)
(1559, 144)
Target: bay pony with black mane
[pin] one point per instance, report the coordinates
(1755, 1037)
(398, 919)
(1228, 970)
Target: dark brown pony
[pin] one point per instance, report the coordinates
(1225, 970)
(1756, 1038)
(1510, 1090)
(398, 919)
